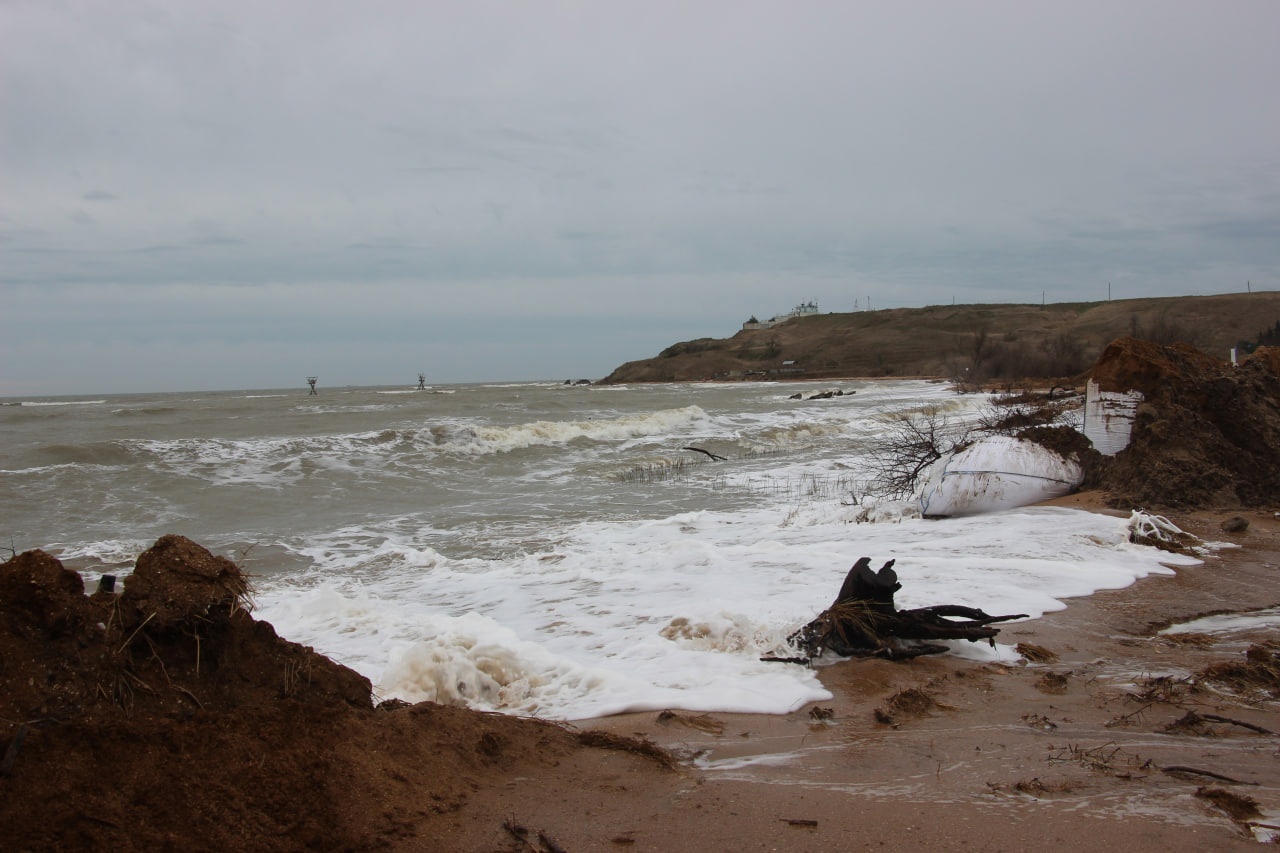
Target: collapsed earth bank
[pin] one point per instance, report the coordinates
(167, 716)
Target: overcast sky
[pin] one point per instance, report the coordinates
(204, 195)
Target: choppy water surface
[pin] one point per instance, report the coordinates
(535, 548)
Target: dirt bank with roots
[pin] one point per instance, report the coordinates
(1206, 434)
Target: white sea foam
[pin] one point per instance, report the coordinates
(108, 552)
(676, 612)
(478, 440)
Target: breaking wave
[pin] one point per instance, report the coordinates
(481, 440)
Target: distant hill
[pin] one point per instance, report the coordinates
(978, 342)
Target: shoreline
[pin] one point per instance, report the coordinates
(169, 717)
(987, 756)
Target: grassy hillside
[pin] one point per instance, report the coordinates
(980, 342)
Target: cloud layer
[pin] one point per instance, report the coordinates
(544, 190)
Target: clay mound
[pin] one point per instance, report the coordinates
(43, 597)
(1267, 357)
(1131, 364)
(168, 717)
(1207, 433)
(176, 580)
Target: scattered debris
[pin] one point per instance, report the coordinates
(714, 457)
(1190, 638)
(638, 746)
(1156, 531)
(1106, 758)
(1180, 770)
(1199, 724)
(1164, 689)
(1257, 677)
(1126, 719)
(1053, 682)
(909, 702)
(863, 622)
(1237, 806)
(702, 722)
(1035, 788)
(1034, 653)
(1038, 721)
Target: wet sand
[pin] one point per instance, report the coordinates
(948, 754)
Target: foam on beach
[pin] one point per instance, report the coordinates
(676, 612)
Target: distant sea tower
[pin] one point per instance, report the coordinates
(311, 380)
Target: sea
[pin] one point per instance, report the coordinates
(565, 551)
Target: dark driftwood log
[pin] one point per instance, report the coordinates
(713, 456)
(863, 622)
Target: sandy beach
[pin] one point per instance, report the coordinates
(1071, 752)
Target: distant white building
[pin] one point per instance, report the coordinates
(800, 310)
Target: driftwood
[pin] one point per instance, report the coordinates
(714, 457)
(863, 622)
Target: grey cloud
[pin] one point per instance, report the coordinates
(765, 155)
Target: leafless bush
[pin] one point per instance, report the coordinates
(913, 441)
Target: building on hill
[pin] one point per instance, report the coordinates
(803, 309)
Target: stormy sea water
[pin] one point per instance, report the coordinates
(539, 549)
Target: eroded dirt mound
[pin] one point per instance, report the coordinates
(176, 580)
(1207, 433)
(1070, 443)
(168, 717)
